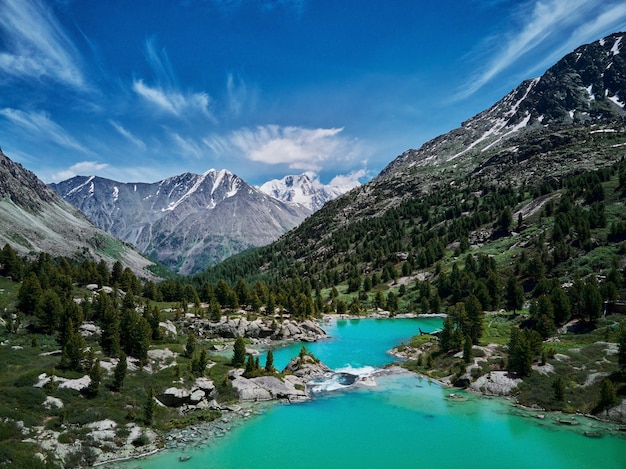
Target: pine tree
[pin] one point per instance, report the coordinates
(608, 397)
(468, 354)
(73, 352)
(110, 338)
(190, 346)
(119, 373)
(239, 353)
(520, 353)
(149, 408)
(514, 295)
(29, 293)
(95, 375)
(559, 389)
(48, 311)
(269, 363)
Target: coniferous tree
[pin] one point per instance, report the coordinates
(559, 389)
(110, 338)
(73, 351)
(474, 319)
(468, 354)
(520, 353)
(119, 373)
(592, 300)
(95, 376)
(514, 295)
(542, 311)
(190, 346)
(149, 407)
(269, 363)
(48, 311)
(561, 305)
(239, 352)
(608, 396)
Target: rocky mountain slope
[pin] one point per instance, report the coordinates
(33, 218)
(585, 89)
(305, 189)
(187, 222)
(569, 120)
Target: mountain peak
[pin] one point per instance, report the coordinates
(304, 189)
(187, 221)
(586, 87)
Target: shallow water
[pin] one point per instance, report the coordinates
(405, 421)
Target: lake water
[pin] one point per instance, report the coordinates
(403, 422)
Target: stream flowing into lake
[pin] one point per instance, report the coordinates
(404, 421)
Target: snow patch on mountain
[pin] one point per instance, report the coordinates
(307, 190)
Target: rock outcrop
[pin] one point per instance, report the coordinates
(260, 328)
(496, 383)
(197, 395)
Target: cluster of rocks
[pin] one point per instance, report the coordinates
(260, 328)
(198, 396)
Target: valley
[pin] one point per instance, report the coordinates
(511, 230)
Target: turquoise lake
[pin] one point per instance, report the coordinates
(404, 421)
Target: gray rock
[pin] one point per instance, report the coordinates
(306, 368)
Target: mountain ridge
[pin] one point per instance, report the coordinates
(33, 218)
(188, 221)
(305, 189)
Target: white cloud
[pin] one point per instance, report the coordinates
(126, 134)
(299, 148)
(172, 101)
(36, 44)
(545, 22)
(83, 168)
(165, 95)
(350, 180)
(40, 124)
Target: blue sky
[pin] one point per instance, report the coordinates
(143, 90)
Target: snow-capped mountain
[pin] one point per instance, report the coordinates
(585, 87)
(187, 222)
(34, 218)
(306, 189)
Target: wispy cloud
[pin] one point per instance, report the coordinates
(126, 134)
(299, 148)
(40, 124)
(35, 44)
(561, 24)
(237, 94)
(165, 95)
(83, 168)
(188, 147)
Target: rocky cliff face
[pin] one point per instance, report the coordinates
(33, 218)
(187, 222)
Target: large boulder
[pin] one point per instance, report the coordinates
(248, 390)
(265, 388)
